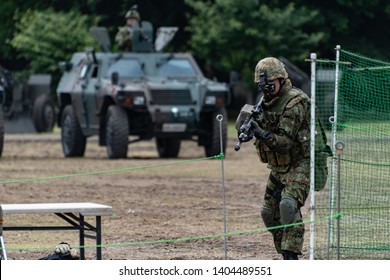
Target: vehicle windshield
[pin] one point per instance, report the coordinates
(126, 68)
(176, 68)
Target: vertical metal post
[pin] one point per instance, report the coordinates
(339, 147)
(82, 238)
(333, 120)
(98, 237)
(3, 252)
(313, 58)
(336, 95)
(220, 119)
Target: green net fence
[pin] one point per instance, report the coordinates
(359, 183)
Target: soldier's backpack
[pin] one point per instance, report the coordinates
(322, 152)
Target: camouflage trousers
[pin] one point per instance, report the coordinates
(295, 184)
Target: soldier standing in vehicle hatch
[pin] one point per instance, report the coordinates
(125, 33)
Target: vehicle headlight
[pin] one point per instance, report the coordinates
(210, 100)
(139, 100)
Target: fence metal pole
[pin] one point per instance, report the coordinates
(313, 58)
(333, 121)
(220, 119)
(3, 252)
(339, 147)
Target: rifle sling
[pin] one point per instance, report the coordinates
(275, 194)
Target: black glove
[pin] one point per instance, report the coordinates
(260, 133)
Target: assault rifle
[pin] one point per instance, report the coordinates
(249, 113)
(254, 113)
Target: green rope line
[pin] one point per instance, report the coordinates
(364, 129)
(363, 162)
(364, 248)
(366, 162)
(182, 239)
(220, 156)
(352, 208)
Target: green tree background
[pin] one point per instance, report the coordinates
(229, 34)
(45, 37)
(238, 33)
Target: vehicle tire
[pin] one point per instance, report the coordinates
(213, 146)
(117, 132)
(8, 112)
(72, 138)
(168, 147)
(1, 130)
(43, 114)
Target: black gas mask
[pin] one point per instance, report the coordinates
(266, 87)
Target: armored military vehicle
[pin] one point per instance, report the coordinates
(27, 106)
(124, 97)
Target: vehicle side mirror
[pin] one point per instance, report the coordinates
(1, 95)
(66, 65)
(234, 78)
(114, 78)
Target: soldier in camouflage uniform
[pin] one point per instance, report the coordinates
(125, 33)
(283, 142)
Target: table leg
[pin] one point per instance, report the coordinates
(98, 237)
(82, 243)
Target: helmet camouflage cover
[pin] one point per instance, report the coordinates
(133, 14)
(273, 67)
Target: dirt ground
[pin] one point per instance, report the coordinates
(165, 199)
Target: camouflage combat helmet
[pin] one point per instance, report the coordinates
(274, 68)
(133, 14)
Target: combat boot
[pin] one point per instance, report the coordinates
(288, 255)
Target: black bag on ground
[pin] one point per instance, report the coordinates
(62, 251)
(55, 256)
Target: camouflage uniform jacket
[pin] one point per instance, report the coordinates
(123, 38)
(287, 116)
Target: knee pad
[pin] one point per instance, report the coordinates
(289, 212)
(267, 214)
